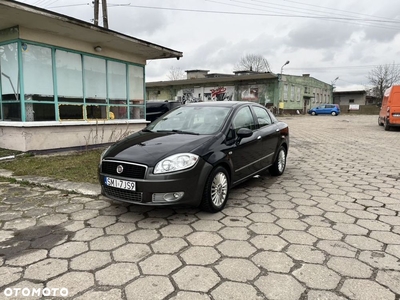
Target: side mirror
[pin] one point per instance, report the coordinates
(243, 133)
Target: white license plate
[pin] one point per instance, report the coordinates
(121, 184)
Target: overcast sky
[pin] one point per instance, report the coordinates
(326, 39)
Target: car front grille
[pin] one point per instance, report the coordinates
(124, 195)
(130, 170)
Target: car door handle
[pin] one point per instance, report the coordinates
(259, 137)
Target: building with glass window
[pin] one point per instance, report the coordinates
(283, 93)
(67, 83)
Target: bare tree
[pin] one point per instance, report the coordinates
(176, 74)
(253, 62)
(383, 77)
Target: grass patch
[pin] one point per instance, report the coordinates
(77, 166)
(6, 152)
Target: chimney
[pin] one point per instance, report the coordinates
(306, 75)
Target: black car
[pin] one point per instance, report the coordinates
(194, 154)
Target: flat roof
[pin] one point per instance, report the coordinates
(13, 14)
(206, 80)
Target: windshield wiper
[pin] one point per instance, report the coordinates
(179, 131)
(146, 130)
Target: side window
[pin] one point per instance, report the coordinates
(243, 119)
(263, 117)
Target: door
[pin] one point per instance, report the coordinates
(244, 156)
(270, 136)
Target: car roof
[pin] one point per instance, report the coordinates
(221, 103)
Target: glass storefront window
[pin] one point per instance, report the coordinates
(87, 87)
(136, 92)
(11, 111)
(96, 112)
(136, 83)
(37, 60)
(70, 112)
(69, 76)
(116, 82)
(9, 72)
(95, 79)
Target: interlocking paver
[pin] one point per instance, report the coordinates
(317, 276)
(117, 274)
(160, 264)
(390, 279)
(69, 249)
(27, 257)
(90, 260)
(329, 228)
(363, 242)
(268, 242)
(349, 267)
(237, 269)
(273, 261)
(280, 287)
(201, 238)
(169, 245)
(337, 248)
(380, 260)
(235, 291)
(236, 248)
(196, 278)
(298, 237)
(362, 289)
(46, 269)
(149, 287)
(131, 252)
(200, 255)
(306, 253)
(73, 281)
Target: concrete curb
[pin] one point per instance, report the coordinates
(88, 189)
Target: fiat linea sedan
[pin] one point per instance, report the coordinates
(194, 155)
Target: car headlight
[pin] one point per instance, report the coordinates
(176, 162)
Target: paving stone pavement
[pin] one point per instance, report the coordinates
(329, 228)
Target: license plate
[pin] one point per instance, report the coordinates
(121, 184)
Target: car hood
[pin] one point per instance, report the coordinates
(150, 147)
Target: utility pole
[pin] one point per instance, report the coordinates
(96, 12)
(105, 18)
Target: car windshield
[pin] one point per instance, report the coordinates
(192, 120)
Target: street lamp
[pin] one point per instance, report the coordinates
(286, 63)
(280, 86)
(333, 88)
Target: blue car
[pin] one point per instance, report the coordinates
(331, 109)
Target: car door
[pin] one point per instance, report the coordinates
(270, 136)
(323, 109)
(244, 154)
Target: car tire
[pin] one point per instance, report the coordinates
(333, 113)
(313, 113)
(216, 190)
(379, 122)
(279, 164)
(386, 125)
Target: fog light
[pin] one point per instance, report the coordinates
(167, 197)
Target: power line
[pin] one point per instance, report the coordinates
(337, 67)
(344, 19)
(321, 15)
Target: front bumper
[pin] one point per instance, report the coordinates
(150, 190)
